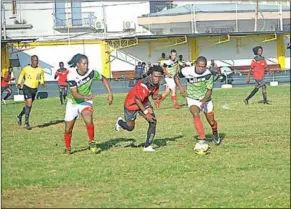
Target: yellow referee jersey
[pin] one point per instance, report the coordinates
(32, 76)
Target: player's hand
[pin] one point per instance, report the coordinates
(90, 97)
(182, 92)
(110, 98)
(202, 103)
(150, 117)
(19, 86)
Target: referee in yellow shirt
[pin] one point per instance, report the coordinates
(32, 75)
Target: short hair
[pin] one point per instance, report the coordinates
(61, 63)
(34, 56)
(201, 59)
(163, 54)
(173, 50)
(76, 58)
(180, 56)
(139, 63)
(256, 49)
(156, 68)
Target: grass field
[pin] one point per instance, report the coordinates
(250, 169)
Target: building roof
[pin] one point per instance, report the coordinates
(216, 8)
(10, 41)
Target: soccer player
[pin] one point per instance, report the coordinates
(137, 101)
(80, 99)
(171, 67)
(5, 81)
(258, 66)
(62, 73)
(199, 91)
(33, 75)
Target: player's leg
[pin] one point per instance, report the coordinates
(65, 92)
(129, 122)
(87, 114)
(70, 119)
(201, 147)
(174, 98)
(264, 92)
(9, 92)
(209, 114)
(28, 96)
(254, 91)
(61, 94)
(151, 131)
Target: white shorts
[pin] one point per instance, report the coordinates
(74, 110)
(208, 107)
(170, 82)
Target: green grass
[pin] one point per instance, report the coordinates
(250, 169)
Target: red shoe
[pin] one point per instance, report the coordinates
(177, 106)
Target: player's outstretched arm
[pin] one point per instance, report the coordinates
(149, 117)
(107, 86)
(178, 82)
(42, 78)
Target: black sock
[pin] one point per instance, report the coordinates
(151, 133)
(27, 113)
(61, 97)
(7, 95)
(64, 97)
(22, 112)
(124, 125)
(252, 93)
(264, 92)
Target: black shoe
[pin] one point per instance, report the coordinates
(19, 120)
(216, 138)
(266, 102)
(27, 126)
(246, 101)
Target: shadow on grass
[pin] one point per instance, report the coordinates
(53, 122)
(262, 101)
(158, 142)
(115, 143)
(209, 137)
(171, 107)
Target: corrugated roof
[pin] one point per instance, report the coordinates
(217, 8)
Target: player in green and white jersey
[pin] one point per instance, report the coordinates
(199, 90)
(80, 99)
(171, 67)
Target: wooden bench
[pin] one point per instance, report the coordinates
(244, 69)
(124, 74)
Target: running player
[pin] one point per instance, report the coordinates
(137, 101)
(171, 67)
(5, 81)
(62, 73)
(33, 75)
(258, 66)
(80, 99)
(199, 90)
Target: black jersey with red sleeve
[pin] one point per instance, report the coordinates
(142, 90)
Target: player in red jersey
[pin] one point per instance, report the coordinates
(62, 73)
(5, 84)
(258, 66)
(137, 101)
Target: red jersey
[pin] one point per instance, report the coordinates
(62, 74)
(258, 65)
(142, 90)
(5, 80)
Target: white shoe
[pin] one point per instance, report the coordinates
(117, 126)
(149, 149)
(4, 101)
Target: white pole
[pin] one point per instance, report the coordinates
(236, 20)
(192, 29)
(281, 16)
(4, 21)
(195, 26)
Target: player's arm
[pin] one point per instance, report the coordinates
(20, 78)
(149, 117)
(56, 75)
(42, 78)
(166, 72)
(107, 86)
(156, 95)
(250, 71)
(177, 77)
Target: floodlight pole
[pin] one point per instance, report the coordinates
(4, 21)
(257, 15)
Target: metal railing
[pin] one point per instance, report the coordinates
(86, 19)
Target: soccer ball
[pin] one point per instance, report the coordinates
(202, 147)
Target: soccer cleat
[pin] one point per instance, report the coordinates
(202, 147)
(149, 149)
(246, 101)
(157, 104)
(216, 138)
(27, 126)
(67, 151)
(177, 106)
(266, 102)
(19, 120)
(93, 147)
(4, 102)
(117, 126)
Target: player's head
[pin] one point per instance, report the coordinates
(200, 66)
(258, 50)
(10, 69)
(156, 73)
(34, 61)
(212, 62)
(61, 65)
(180, 56)
(139, 63)
(173, 54)
(163, 55)
(143, 64)
(80, 61)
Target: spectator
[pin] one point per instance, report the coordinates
(139, 70)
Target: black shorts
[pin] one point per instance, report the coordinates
(130, 115)
(29, 93)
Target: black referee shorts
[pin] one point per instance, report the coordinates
(29, 93)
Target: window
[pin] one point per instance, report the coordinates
(60, 13)
(76, 13)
